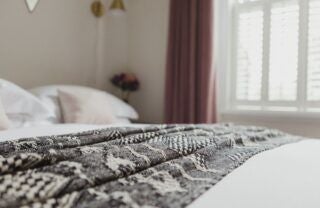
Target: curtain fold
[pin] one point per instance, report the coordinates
(190, 80)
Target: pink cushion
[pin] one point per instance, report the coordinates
(85, 107)
(4, 121)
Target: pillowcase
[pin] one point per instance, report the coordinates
(16, 100)
(4, 121)
(85, 107)
(49, 94)
(52, 103)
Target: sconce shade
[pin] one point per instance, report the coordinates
(117, 7)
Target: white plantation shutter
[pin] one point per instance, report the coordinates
(249, 58)
(314, 51)
(276, 55)
(284, 41)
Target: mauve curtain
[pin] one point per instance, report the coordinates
(190, 83)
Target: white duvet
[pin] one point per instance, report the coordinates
(286, 177)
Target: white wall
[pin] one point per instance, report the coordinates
(294, 124)
(58, 43)
(112, 56)
(147, 30)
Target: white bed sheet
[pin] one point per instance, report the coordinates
(56, 129)
(286, 177)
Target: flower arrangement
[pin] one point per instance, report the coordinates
(127, 83)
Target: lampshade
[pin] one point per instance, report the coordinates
(117, 7)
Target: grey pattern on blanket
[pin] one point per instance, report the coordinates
(155, 166)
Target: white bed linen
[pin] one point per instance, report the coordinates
(56, 129)
(286, 177)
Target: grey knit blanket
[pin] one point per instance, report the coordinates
(156, 166)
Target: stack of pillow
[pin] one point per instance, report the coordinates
(60, 104)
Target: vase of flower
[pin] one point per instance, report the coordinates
(127, 83)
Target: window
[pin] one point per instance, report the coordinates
(276, 55)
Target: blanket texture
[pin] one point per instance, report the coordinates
(156, 166)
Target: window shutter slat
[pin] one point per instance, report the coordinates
(313, 86)
(284, 46)
(249, 55)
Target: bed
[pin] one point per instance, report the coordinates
(285, 176)
(51, 157)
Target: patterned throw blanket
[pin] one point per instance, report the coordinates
(155, 166)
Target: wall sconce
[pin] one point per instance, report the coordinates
(117, 8)
(97, 8)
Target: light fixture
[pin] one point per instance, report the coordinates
(97, 8)
(117, 7)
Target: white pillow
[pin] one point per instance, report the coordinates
(4, 121)
(20, 121)
(17, 101)
(53, 104)
(50, 94)
(85, 107)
